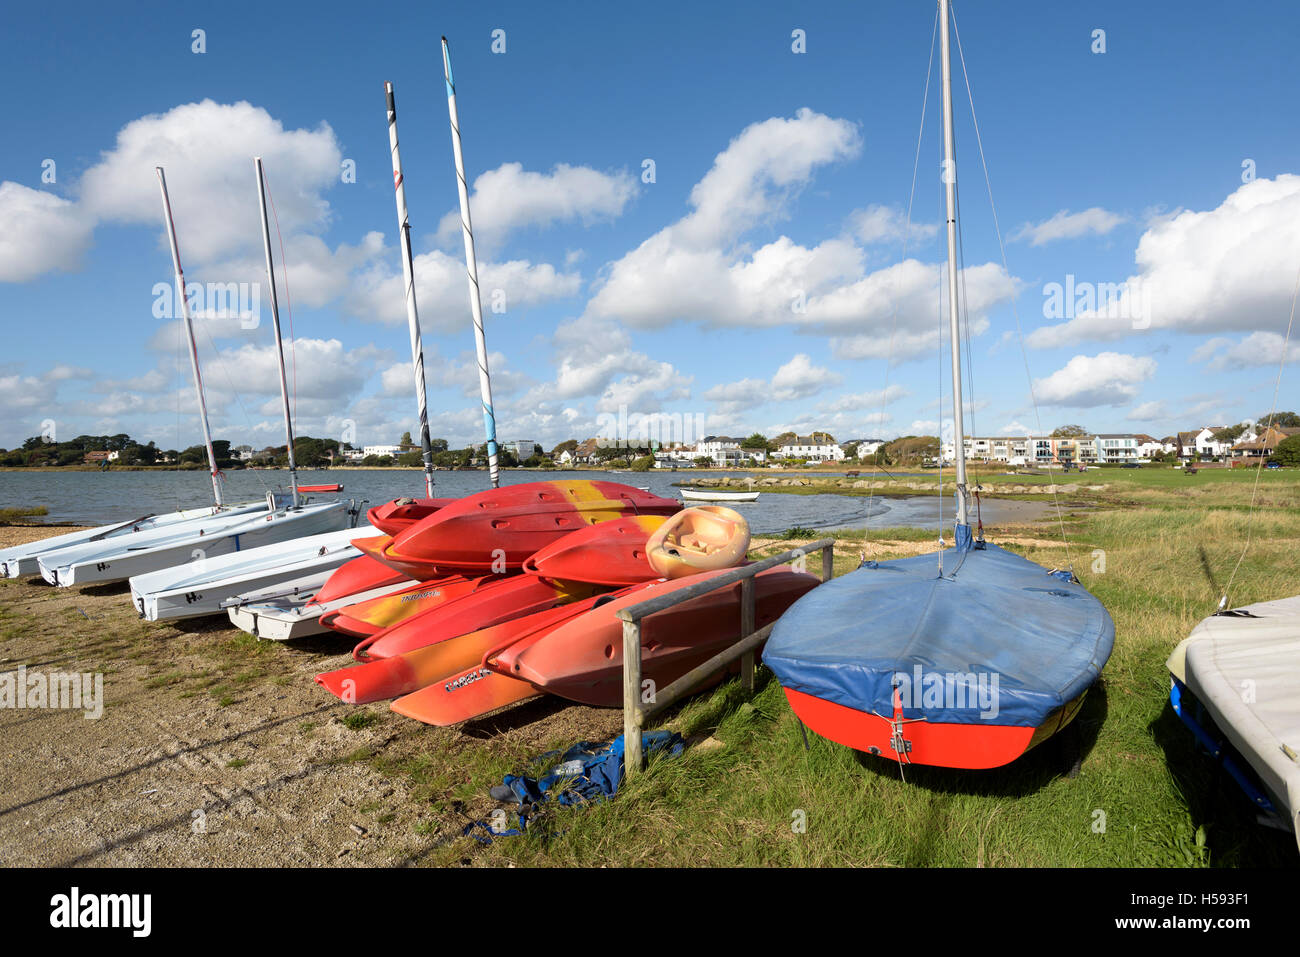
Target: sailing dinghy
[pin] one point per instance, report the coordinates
(281, 518)
(1235, 681)
(965, 658)
(203, 587)
(22, 560)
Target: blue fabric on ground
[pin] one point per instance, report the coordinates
(992, 614)
(593, 772)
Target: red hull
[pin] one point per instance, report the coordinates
(969, 746)
(583, 660)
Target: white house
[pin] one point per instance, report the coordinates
(393, 450)
(803, 447)
(524, 448)
(722, 450)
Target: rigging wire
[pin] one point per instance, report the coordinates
(1259, 466)
(907, 234)
(1002, 249)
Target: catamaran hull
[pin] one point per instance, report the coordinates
(116, 566)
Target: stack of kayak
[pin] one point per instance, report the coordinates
(516, 595)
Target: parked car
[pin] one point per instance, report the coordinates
(1131, 465)
(1272, 465)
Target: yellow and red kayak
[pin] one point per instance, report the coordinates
(497, 530)
(363, 619)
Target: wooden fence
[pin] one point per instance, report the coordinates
(636, 711)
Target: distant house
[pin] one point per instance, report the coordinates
(1264, 445)
(812, 449)
(524, 448)
(381, 450)
(722, 449)
(242, 452)
(585, 454)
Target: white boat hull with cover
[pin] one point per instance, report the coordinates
(202, 587)
(1235, 680)
(106, 562)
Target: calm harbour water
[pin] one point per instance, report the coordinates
(95, 498)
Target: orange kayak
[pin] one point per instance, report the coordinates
(401, 513)
(368, 617)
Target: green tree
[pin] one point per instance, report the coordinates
(1069, 432)
(644, 464)
(1288, 451)
(758, 441)
(406, 442)
(1283, 420)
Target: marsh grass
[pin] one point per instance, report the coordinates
(1156, 552)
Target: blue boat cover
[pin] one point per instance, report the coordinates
(993, 639)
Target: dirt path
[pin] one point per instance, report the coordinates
(216, 749)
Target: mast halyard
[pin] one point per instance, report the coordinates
(408, 272)
(275, 321)
(471, 271)
(189, 332)
(950, 189)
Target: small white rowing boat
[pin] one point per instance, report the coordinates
(716, 495)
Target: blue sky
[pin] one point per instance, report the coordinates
(781, 178)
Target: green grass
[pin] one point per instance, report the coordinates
(10, 516)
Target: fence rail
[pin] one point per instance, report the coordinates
(637, 712)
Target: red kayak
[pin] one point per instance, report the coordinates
(489, 602)
(609, 553)
(400, 514)
(361, 574)
(408, 672)
(496, 531)
(371, 615)
(583, 659)
(455, 680)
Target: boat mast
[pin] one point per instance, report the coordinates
(189, 332)
(275, 321)
(471, 271)
(408, 271)
(950, 188)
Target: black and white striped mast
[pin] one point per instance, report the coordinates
(408, 272)
(471, 272)
(189, 332)
(275, 321)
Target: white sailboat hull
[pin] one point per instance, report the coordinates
(23, 560)
(285, 617)
(103, 562)
(203, 587)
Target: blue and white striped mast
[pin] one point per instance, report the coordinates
(471, 272)
(408, 273)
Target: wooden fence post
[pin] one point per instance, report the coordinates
(632, 758)
(828, 563)
(747, 615)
